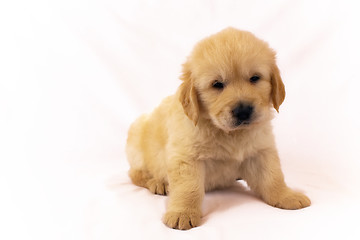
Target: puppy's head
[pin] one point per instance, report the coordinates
(232, 79)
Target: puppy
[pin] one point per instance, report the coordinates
(214, 130)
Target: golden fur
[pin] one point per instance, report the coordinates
(190, 144)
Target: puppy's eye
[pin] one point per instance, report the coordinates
(254, 79)
(218, 85)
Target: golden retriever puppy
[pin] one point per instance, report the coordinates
(214, 130)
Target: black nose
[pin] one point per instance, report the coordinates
(242, 113)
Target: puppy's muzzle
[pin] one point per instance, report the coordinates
(242, 114)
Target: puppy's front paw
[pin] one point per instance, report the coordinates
(291, 200)
(182, 220)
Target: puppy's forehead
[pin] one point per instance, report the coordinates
(232, 52)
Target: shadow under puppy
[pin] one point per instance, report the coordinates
(214, 130)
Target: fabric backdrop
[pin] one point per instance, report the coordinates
(74, 74)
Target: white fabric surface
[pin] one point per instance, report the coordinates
(75, 74)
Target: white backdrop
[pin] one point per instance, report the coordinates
(74, 75)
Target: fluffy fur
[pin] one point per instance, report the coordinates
(191, 143)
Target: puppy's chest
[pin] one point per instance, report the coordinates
(236, 149)
(222, 160)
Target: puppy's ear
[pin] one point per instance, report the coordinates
(188, 95)
(277, 88)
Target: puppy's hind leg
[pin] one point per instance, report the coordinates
(139, 177)
(157, 186)
(137, 154)
(142, 178)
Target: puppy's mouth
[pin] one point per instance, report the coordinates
(231, 124)
(240, 123)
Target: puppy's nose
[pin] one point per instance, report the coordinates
(242, 113)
